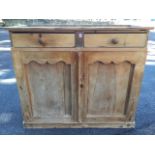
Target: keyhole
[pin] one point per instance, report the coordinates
(81, 85)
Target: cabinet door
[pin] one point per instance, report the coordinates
(111, 85)
(47, 85)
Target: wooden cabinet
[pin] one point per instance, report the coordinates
(79, 77)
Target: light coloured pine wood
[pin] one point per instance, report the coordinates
(81, 49)
(48, 87)
(101, 89)
(135, 88)
(122, 76)
(81, 77)
(85, 28)
(92, 86)
(122, 40)
(22, 86)
(109, 85)
(47, 84)
(120, 124)
(43, 40)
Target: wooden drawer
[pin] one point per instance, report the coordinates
(42, 40)
(115, 40)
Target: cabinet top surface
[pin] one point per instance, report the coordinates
(73, 28)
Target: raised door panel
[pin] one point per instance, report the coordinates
(108, 82)
(105, 81)
(50, 83)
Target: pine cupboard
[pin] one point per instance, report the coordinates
(79, 76)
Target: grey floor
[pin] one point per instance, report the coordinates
(10, 113)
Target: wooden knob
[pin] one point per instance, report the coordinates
(41, 42)
(81, 85)
(114, 41)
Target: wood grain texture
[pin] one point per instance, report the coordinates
(22, 85)
(109, 124)
(79, 86)
(81, 49)
(123, 40)
(51, 90)
(48, 85)
(107, 88)
(135, 88)
(43, 40)
(60, 28)
(108, 84)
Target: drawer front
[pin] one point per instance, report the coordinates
(43, 40)
(115, 40)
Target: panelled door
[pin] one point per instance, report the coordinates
(111, 85)
(47, 83)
